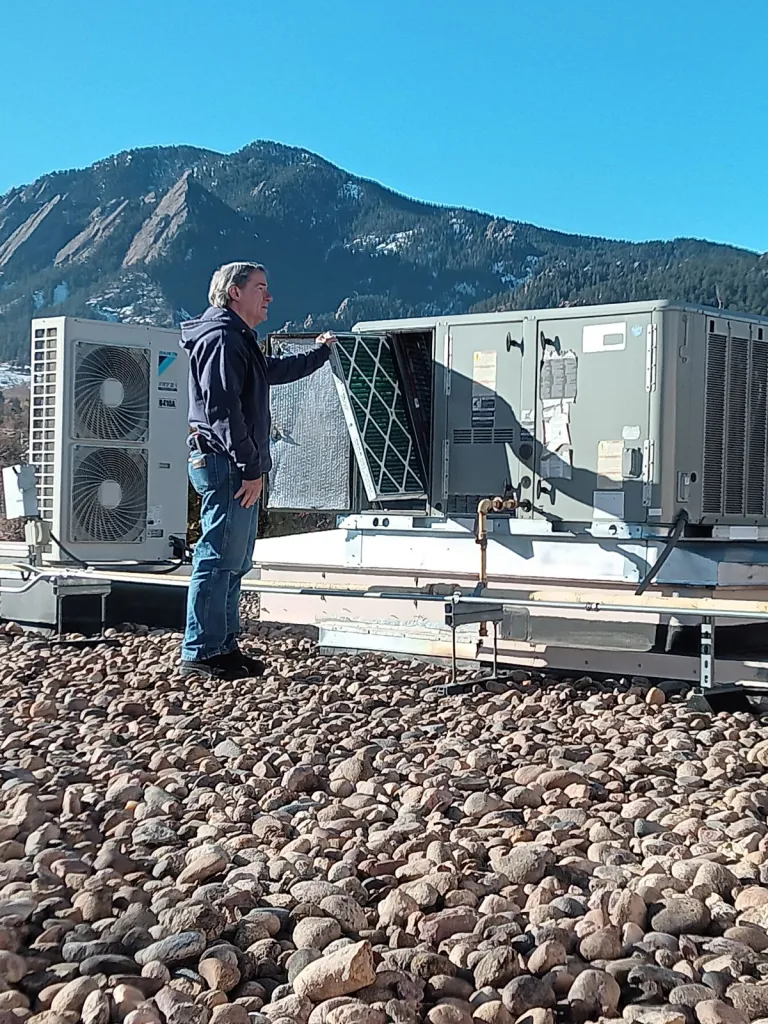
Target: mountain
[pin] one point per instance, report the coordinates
(135, 238)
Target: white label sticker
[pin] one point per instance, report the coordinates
(484, 371)
(743, 532)
(604, 337)
(558, 380)
(631, 433)
(557, 428)
(608, 504)
(484, 389)
(155, 515)
(610, 463)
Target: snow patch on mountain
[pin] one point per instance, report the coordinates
(465, 288)
(394, 243)
(122, 314)
(460, 227)
(508, 277)
(12, 376)
(132, 299)
(351, 190)
(102, 312)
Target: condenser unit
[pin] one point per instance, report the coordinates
(108, 423)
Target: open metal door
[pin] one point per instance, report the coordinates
(309, 442)
(376, 410)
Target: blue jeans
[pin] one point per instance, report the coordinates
(223, 555)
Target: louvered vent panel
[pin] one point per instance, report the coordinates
(483, 435)
(714, 424)
(757, 438)
(736, 427)
(42, 443)
(464, 504)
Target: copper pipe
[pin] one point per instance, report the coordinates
(483, 508)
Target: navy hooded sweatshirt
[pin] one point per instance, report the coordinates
(229, 381)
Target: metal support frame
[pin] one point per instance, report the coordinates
(38, 603)
(464, 610)
(459, 608)
(460, 613)
(707, 653)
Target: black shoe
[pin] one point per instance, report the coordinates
(253, 666)
(222, 666)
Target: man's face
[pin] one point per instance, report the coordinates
(251, 302)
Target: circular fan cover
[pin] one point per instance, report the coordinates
(109, 497)
(112, 394)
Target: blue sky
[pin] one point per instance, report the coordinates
(642, 119)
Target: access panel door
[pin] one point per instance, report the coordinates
(484, 432)
(380, 417)
(592, 416)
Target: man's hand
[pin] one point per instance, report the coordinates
(327, 338)
(250, 492)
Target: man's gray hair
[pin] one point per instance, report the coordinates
(223, 279)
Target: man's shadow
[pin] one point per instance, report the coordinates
(563, 476)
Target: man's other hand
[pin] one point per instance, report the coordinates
(327, 338)
(250, 492)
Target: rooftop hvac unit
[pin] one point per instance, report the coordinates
(643, 413)
(108, 426)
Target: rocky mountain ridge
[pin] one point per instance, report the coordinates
(136, 236)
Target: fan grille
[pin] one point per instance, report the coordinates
(111, 393)
(109, 495)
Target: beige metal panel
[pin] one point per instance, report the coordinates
(660, 602)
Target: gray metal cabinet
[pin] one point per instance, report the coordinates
(630, 413)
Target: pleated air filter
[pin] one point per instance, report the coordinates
(374, 405)
(310, 467)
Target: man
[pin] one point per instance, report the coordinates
(229, 380)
